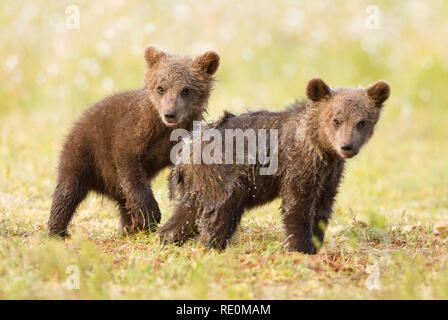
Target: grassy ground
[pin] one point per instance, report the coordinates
(388, 238)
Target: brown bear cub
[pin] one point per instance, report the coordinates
(315, 138)
(123, 141)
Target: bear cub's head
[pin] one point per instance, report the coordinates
(346, 117)
(179, 87)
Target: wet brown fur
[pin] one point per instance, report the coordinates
(120, 143)
(311, 155)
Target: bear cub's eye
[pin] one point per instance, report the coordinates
(185, 92)
(361, 124)
(336, 123)
(160, 90)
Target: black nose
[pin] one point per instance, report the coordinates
(347, 147)
(169, 115)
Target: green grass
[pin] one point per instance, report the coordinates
(391, 214)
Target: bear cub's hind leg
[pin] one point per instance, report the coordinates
(180, 227)
(68, 195)
(218, 225)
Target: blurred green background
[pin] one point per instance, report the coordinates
(269, 49)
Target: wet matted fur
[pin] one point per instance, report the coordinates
(315, 139)
(120, 143)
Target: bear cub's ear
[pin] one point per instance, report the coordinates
(317, 89)
(378, 92)
(153, 55)
(207, 62)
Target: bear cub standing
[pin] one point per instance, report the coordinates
(123, 141)
(315, 138)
